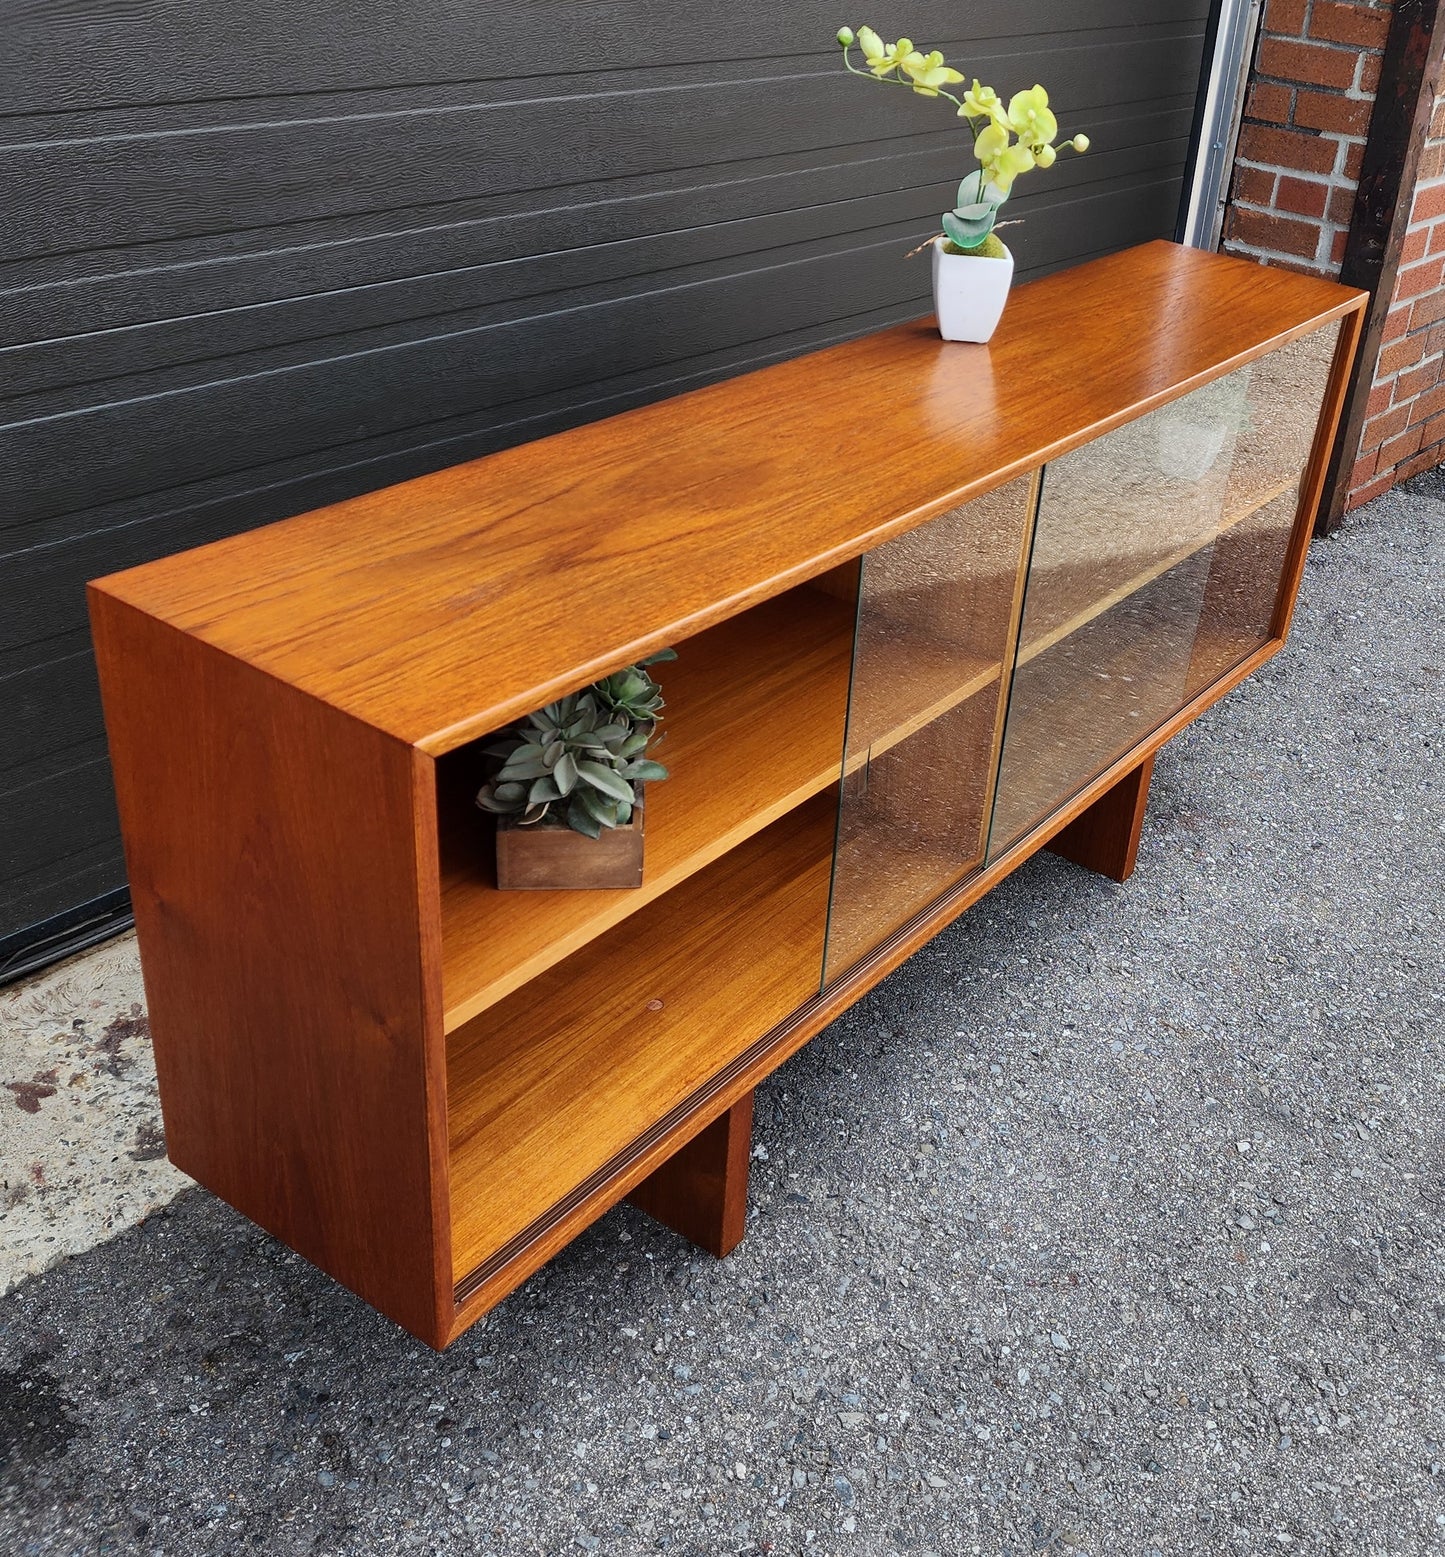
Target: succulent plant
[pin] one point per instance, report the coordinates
(579, 762)
(1008, 139)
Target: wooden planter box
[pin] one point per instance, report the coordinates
(552, 859)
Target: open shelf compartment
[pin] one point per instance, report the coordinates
(547, 1086)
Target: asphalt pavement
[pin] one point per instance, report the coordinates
(1112, 1223)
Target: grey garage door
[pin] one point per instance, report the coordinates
(258, 256)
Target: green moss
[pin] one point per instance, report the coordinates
(991, 248)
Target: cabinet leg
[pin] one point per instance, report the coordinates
(702, 1190)
(1105, 838)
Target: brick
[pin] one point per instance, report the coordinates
(1380, 397)
(1255, 186)
(1415, 246)
(1310, 64)
(1397, 323)
(1416, 279)
(1429, 202)
(1354, 156)
(1270, 102)
(1400, 448)
(1362, 470)
(1337, 247)
(1399, 356)
(1341, 208)
(1330, 111)
(1423, 407)
(1380, 429)
(1302, 198)
(1437, 121)
(1432, 163)
(1281, 234)
(1359, 496)
(1427, 310)
(1286, 18)
(1432, 432)
(1368, 79)
(1416, 381)
(1436, 244)
(1331, 22)
(1426, 459)
(1435, 340)
(1296, 150)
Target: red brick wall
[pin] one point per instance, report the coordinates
(1307, 113)
(1405, 430)
(1305, 120)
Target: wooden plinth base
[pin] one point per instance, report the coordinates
(1105, 838)
(702, 1190)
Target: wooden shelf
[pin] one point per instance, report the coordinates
(550, 1084)
(756, 710)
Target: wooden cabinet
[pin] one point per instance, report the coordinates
(935, 607)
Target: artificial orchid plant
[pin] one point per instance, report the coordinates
(1007, 140)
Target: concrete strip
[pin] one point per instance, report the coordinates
(82, 1156)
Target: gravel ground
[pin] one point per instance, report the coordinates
(1111, 1224)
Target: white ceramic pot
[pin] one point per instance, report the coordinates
(969, 292)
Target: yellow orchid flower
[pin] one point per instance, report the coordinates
(1031, 119)
(884, 58)
(993, 140)
(982, 102)
(928, 73)
(1005, 169)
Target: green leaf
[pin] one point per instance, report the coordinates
(581, 820)
(543, 790)
(518, 768)
(645, 770)
(565, 773)
(661, 657)
(605, 779)
(599, 806)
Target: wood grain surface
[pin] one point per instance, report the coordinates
(701, 1191)
(275, 849)
(1105, 837)
(441, 608)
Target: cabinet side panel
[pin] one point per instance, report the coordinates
(271, 844)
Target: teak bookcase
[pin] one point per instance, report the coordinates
(936, 607)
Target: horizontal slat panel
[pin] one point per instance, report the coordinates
(262, 257)
(82, 53)
(235, 175)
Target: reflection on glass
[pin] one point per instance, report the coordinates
(937, 612)
(1157, 560)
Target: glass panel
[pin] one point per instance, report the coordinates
(1156, 565)
(937, 612)
(1285, 393)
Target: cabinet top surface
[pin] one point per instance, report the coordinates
(445, 606)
